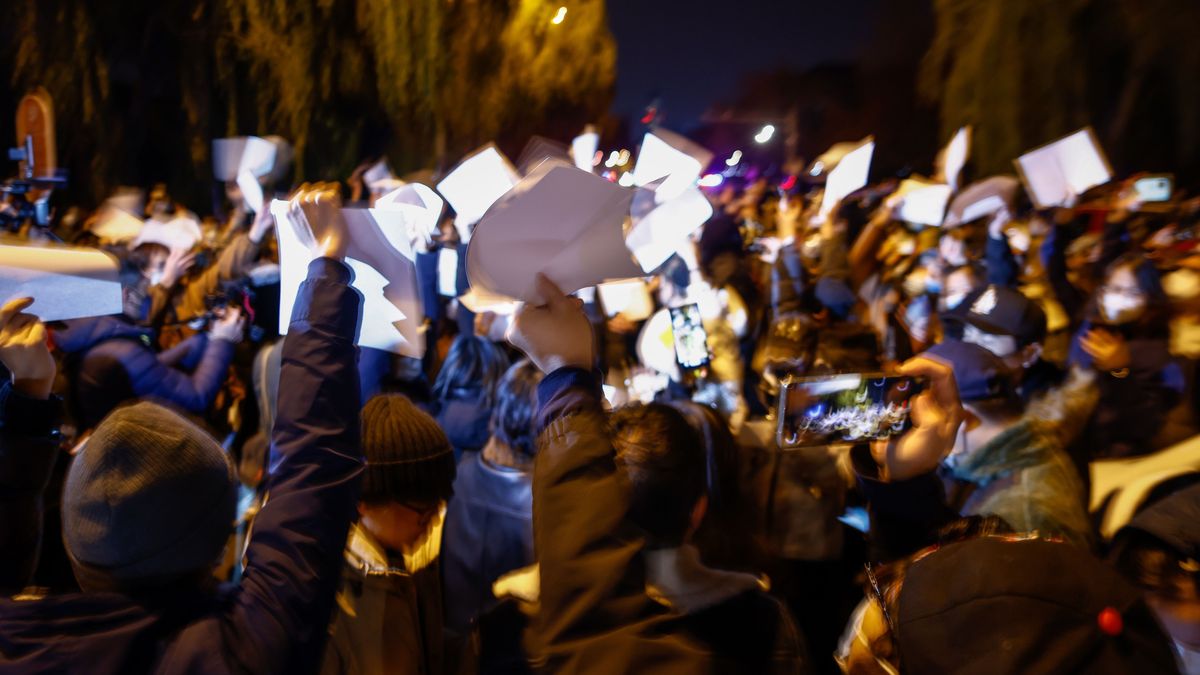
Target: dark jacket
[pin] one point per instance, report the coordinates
(111, 361)
(29, 442)
(595, 614)
(489, 532)
(274, 621)
(905, 515)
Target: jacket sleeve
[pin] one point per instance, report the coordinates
(28, 450)
(1001, 266)
(233, 264)
(585, 546)
(194, 392)
(905, 515)
(1054, 260)
(186, 354)
(278, 620)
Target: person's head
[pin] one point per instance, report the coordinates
(150, 259)
(148, 503)
(957, 284)
(1131, 292)
(409, 474)
(663, 458)
(986, 387)
(516, 400)
(474, 364)
(1004, 322)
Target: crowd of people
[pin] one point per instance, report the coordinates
(182, 489)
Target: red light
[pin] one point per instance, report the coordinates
(788, 183)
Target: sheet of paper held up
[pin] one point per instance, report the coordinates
(244, 160)
(668, 155)
(983, 198)
(953, 158)
(1056, 174)
(385, 272)
(419, 208)
(662, 229)
(850, 174)
(922, 203)
(475, 184)
(583, 149)
(65, 283)
(563, 222)
(630, 297)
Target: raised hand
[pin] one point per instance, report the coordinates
(556, 334)
(263, 222)
(230, 327)
(179, 261)
(1108, 350)
(936, 416)
(315, 213)
(24, 350)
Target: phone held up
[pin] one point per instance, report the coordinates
(691, 341)
(844, 408)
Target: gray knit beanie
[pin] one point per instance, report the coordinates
(408, 455)
(151, 496)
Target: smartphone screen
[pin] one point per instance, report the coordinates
(691, 342)
(844, 408)
(1154, 188)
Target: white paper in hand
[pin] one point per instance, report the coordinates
(475, 184)
(922, 203)
(954, 156)
(419, 208)
(850, 174)
(65, 283)
(564, 223)
(668, 155)
(983, 198)
(664, 230)
(231, 156)
(447, 272)
(180, 233)
(1057, 173)
(583, 150)
(251, 189)
(385, 273)
(630, 297)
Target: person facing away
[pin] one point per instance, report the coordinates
(150, 500)
(489, 523)
(617, 502)
(389, 607)
(465, 390)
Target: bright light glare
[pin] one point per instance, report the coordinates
(599, 157)
(612, 159)
(558, 18)
(766, 133)
(817, 167)
(623, 158)
(626, 180)
(734, 158)
(712, 180)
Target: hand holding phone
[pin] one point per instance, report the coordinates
(845, 408)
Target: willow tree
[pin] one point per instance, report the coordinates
(1024, 72)
(142, 86)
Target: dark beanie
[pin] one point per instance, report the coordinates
(151, 496)
(408, 455)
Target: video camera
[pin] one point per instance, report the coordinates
(19, 208)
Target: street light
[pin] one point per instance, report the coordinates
(558, 17)
(765, 134)
(734, 158)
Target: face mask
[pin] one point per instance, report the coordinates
(953, 300)
(156, 277)
(1119, 308)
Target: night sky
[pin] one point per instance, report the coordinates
(691, 53)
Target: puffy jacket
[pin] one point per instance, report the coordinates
(595, 614)
(489, 532)
(274, 620)
(111, 361)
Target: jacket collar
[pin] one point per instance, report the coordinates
(365, 555)
(1024, 444)
(676, 578)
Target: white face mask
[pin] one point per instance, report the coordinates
(1119, 308)
(156, 277)
(953, 300)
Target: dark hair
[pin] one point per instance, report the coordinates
(473, 363)
(516, 398)
(663, 459)
(1152, 565)
(1153, 322)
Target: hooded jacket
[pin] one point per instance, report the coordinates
(274, 620)
(112, 361)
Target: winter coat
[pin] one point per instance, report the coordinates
(388, 620)
(274, 620)
(489, 532)
(595, 614)
(111, 361)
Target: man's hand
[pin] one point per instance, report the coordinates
(554, 335)
(1109, 351)
(24, 351)
(263, 222)
(179, 261)
(936, 415)
(316, 214)
(230, 327)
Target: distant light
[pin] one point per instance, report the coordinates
(788, 183)
(558, 18)
(626, 180)
(623, 158)
(712, 180)
(765, 134)
(817, 167)
(734, 158)
(612, 159)
(598, 158)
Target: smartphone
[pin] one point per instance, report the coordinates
(691, 342)
(846, 408)
(1155, 188)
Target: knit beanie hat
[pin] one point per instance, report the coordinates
(151, 496)
(408, 455)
